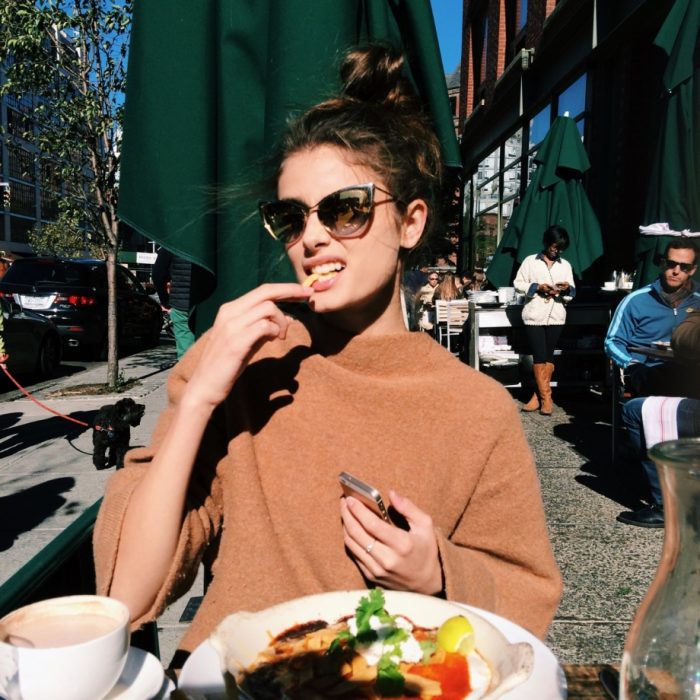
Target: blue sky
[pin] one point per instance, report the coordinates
(448, 21)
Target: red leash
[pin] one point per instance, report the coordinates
(37, 402)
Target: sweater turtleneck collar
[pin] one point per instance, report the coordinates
(375, 354)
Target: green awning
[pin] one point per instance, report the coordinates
(674, 186)
(554, 196)
(211, 84)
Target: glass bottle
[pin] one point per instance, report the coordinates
(661, 660)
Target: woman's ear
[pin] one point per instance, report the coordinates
(413, 225)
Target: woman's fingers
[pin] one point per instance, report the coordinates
(241, 327)
(389, 556)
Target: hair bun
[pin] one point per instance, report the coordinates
(375, 73)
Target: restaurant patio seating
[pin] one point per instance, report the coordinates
(450, 317)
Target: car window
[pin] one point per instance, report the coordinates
(46, 272)
(126, 282)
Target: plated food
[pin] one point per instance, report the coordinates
(394, 644)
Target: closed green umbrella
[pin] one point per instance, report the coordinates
(674, 186)
(211, 84)
(554, 196)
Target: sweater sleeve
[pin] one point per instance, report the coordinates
(203, 508)
(523, 281)
(501, 560)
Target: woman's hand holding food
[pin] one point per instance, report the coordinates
(393, 558)
(241, 327)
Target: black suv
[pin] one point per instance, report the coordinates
(73, 294)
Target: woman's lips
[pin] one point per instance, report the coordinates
(321, 282)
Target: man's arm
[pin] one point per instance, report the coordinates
(620, 334)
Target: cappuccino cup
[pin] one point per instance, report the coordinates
(69, 648)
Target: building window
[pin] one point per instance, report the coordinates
(18, 124)
(572, 101)
(21, 163)
(23, 199)
(522, 13)
(19, 229)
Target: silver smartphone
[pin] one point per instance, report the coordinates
(352, 486)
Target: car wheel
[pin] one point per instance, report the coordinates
(49, 357)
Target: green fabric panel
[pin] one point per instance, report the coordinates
(673, 195)
(555, 195)
(210, 86)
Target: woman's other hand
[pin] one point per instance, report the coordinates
(394, 558)
(563, 287)
(241, 327)
(546, 290)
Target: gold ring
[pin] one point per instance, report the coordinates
(370, 546)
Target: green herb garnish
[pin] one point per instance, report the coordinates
(390, 682)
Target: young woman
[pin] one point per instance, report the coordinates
(547, 281)
(265, 411)
(447, 289)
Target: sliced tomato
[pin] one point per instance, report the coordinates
(452, 674)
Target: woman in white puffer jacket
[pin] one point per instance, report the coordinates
(547, 281)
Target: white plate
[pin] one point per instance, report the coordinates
(201, 677)
(142, 679)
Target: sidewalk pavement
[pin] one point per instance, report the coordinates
(47, 480)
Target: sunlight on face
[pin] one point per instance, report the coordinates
(360, 275)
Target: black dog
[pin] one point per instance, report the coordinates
(111, 430)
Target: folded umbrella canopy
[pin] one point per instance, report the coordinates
(674, 185)
(554, 196)
(211, 85)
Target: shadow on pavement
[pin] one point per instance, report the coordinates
(23, 511)
(589, 432)
(16, 436)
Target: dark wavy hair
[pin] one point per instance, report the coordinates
(378, 119)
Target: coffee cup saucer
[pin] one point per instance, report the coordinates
(143, 678)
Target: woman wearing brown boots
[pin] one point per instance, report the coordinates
(547, 281)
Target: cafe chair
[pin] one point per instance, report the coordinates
(450, 317)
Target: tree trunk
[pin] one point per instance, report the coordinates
(112, 346)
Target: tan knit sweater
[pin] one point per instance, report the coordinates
(266, 491)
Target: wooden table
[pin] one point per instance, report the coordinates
(582, 681)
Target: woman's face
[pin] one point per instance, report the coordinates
(552, 251)
(362, 289)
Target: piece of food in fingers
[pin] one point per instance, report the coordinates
(310, 280)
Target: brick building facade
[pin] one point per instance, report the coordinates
(524, 62)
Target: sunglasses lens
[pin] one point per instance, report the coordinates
(672, 264)
(347, 211)
(284, 220)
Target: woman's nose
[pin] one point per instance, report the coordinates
(314, 234)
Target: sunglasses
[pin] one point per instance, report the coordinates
(672, 264)
(342, 213)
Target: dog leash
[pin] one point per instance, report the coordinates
(38, 403)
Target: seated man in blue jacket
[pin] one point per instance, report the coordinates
(650, 314)
(686, 347)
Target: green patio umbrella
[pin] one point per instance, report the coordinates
(674, 186)
(554, 196)
(211, 84)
